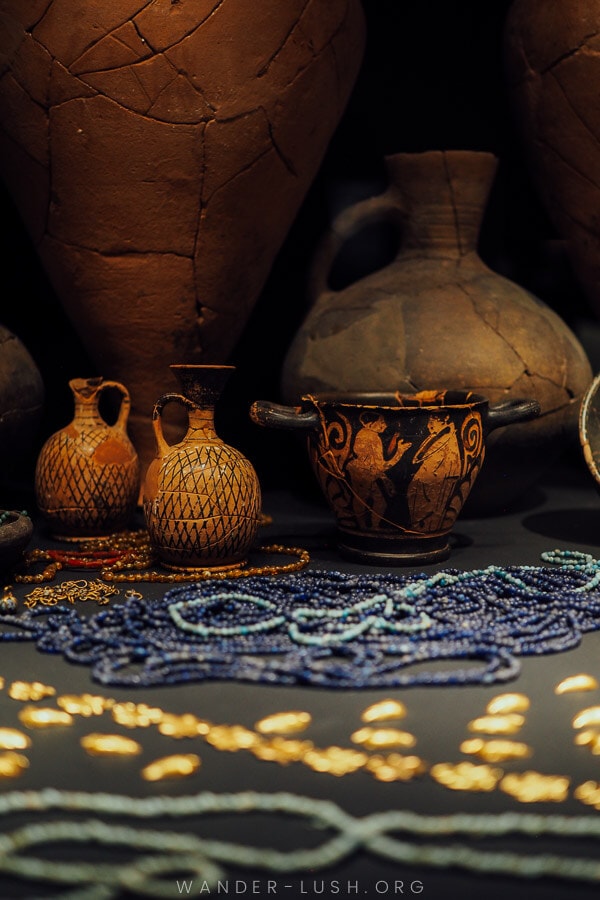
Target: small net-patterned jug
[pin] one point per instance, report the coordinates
(202, 497)
(87, 475)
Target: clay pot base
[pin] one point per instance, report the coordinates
(393, 551)
(199, 570)
(87, 538)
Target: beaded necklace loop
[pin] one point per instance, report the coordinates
(128, 557)
(176, 852)
(331, 629)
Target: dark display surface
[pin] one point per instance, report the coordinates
(563, 512)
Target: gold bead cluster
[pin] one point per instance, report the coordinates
(277, 737)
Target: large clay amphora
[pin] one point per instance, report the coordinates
(552, 64)
(87, 476)
(158, 153)
(202, 497)
(438, 317)
(395, 469)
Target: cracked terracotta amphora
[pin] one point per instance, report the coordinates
(201, 496)
(552, 66)
(87, 474)
(158, 153)
(437, 317)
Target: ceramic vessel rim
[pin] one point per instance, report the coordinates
(589, 404)
(201, 366)
(374, 400)
(15, 530)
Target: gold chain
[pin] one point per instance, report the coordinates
(127, 556)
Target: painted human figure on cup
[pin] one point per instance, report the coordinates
(358, 463)
(439, 470)
(367, 466)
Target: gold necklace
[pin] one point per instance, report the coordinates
(128, 557)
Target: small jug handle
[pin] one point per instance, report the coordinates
(161, 442)
(509, 412)
(386, 207)
(125, 407)
(262, 412)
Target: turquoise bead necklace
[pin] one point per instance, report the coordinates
(169, 854)
(331, 628)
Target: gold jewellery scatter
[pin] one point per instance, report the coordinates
(13, 739)
(589, 738)
(588, 793)
(384, 711)
(80, 590)
(284, 723)
(504, 704)
(44, 717)
(534, 787)
(509, 723)
(30, 690)
(12, 764)
(137, 566)
(110, 745)
(466, 776)
(267, 741)
(128, 557)
(576, 683)
(178, 765)
(587, 717)
(8, 601)
(85, 705)
(526, 787)
(496, 750)
(395, 767)
(383, 738)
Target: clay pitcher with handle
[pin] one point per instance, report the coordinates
(87, 475)
(202, 497)
(437, 314)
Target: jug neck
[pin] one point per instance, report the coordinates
(201, 425)
(202, 384)
(85, 400)
(443, 195)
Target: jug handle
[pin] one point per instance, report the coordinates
(509, 412)
(161, 442)
(125, 407)
(386, 207)
(275, 415)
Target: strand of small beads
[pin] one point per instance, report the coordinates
(177, 852)
(6, 515)
(332, 629)
(138, 566)
(128, 557)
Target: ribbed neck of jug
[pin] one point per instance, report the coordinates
(443, 195)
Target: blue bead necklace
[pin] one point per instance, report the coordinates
(332, 629)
